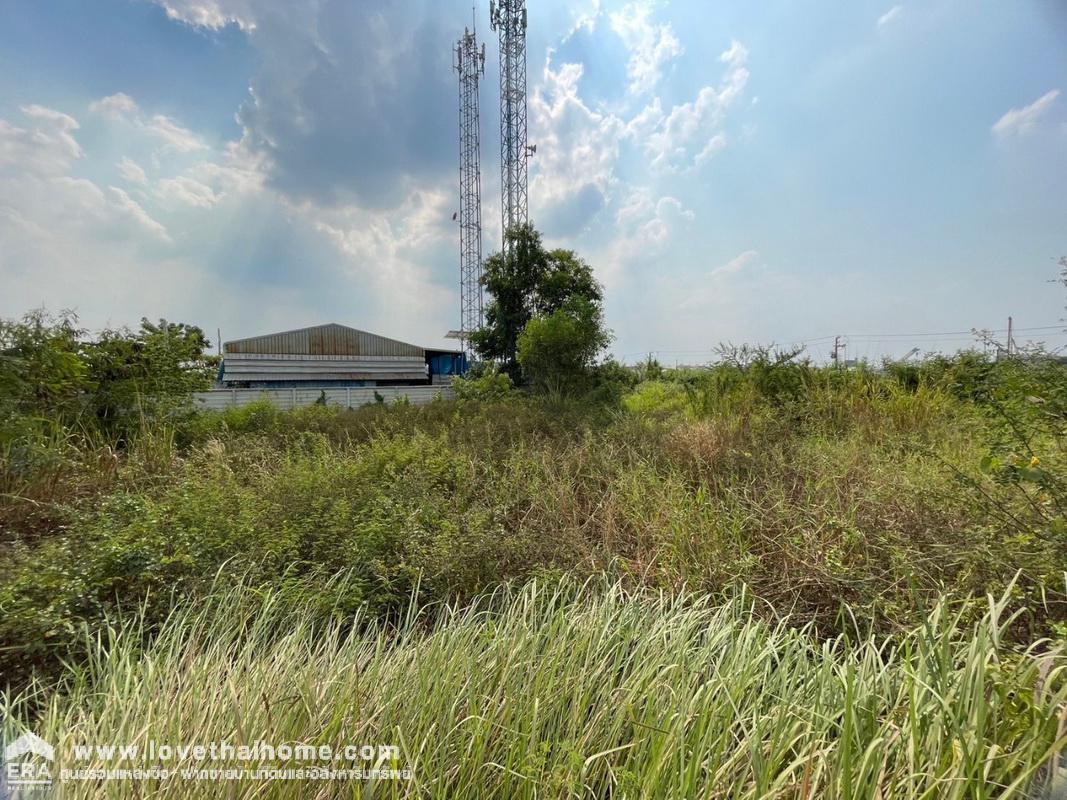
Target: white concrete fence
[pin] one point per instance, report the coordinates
(346, 397)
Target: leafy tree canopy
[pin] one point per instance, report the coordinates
(50, 369)
(41, 369)
(526, 282)
(557, 351)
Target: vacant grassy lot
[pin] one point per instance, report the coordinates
(846, 506)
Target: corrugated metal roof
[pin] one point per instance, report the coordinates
(324, 340)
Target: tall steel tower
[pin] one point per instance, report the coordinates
(469, 62)
(508, 18)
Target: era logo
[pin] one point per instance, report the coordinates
(27, 761)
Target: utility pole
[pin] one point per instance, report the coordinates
(469, 62)
(1011, 342)
(835, 356)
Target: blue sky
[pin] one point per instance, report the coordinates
(772, 172)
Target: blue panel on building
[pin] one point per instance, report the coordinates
(448, 364)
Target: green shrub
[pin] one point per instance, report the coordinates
(394, 512)
(490, 386)
(557, 352)
(658, 398)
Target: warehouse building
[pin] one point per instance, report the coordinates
(333, 356)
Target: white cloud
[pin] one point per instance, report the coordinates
(647, 221)
(694, 126)
(645, 225)
(736, 264)
(120, 107)
(635, 209)
(131, 171)
(1023, 120)
(736, 55)
(651, 45)
(717, 286)
(45, 146)
(577, 145)
(574, 176)
(67, 243)
(57, 119)
(183, 190)
(208, 225)
(211, 14)
(128, 206)
(890, 15)
(714, 145)
(585, 18)
(386, 255)
(669, 212)
(174, 136)
(337, 80)
(645, 121)
(115, 106)
(237, 170)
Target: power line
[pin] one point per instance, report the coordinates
(970, 332)
(935, 337)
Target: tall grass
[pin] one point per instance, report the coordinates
(813, 505)
(564, 690)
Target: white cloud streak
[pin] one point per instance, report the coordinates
(187, 191)
(120, 107)
(716, 286)
(210, 14)
(1020, 121)
(131, 208)
(131, 171)
(889, 16)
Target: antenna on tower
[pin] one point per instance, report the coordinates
(508, 18)
(469, 62)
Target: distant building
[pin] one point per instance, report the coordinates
(333, 355)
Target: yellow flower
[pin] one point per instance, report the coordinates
(1034, 461)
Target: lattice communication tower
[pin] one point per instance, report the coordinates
(508, 19)
(469, 63)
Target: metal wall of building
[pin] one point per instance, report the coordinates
(259, 367)
(353, 397)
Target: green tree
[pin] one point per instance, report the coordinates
(52, 374)
(41, 369)
(557, 351)
(526, 282)
(148, 371)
